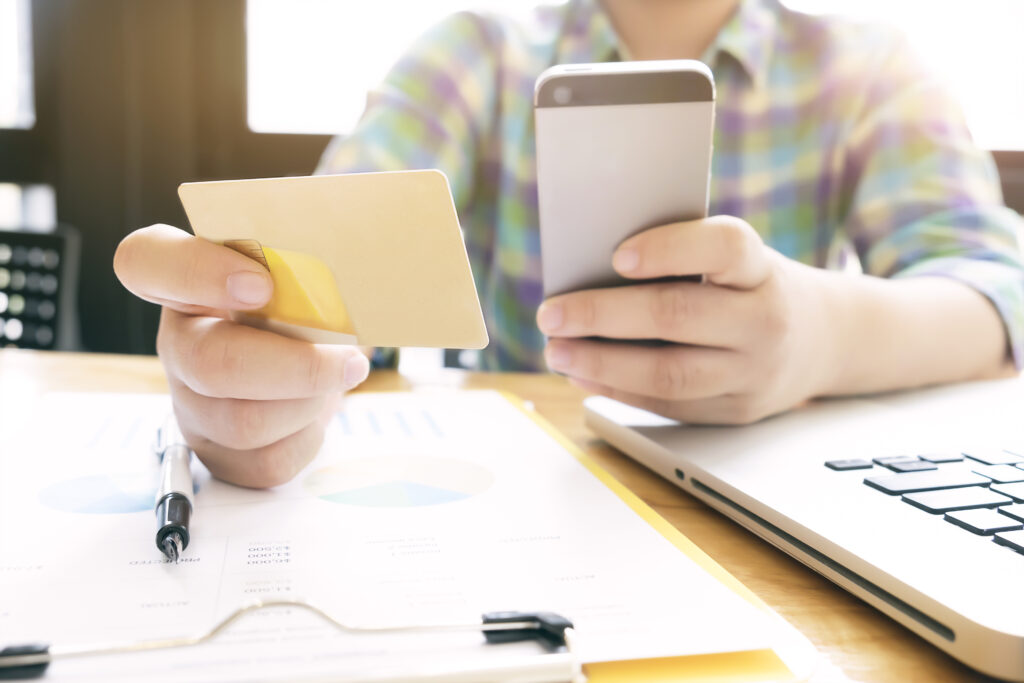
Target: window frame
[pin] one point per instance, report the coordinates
(1011, 173)
(27, 158)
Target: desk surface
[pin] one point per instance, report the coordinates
(856, 642)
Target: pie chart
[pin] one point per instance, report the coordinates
(102, 494)
(398, 481)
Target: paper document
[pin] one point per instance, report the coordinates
(420, 508)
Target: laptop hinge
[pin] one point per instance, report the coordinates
(877, 591)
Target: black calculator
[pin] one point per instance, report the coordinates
(30, 289)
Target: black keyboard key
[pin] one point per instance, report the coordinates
(910, 482)
(941, 457)
(1001, 474)
(1015, 491)
(887, 460)
(993, 456)
(853, 464)
(983, 522)
(967, 498)
(1011, 539)
(1016, 511)
(916, 466)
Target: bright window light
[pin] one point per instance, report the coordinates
(976, 47)
(311, 62)
(17, 107)
(27, 207)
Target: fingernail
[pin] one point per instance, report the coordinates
(357, 368)
(626, 260)
(249, 288)
(550, 317)
(558, 357)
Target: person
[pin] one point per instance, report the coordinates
(826, 131)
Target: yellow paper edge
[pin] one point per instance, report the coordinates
(728, 667)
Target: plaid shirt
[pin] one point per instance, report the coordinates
(827, 133)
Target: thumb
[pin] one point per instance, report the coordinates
(167, 266)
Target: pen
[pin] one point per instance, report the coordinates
(174, 496)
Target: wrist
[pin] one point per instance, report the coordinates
(827, 307)
(880, 334)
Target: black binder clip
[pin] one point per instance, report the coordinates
(546, 627)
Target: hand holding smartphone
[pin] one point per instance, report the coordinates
(621, 147)
(625, 149)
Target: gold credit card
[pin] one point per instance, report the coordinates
(305, 292)
(375, 259)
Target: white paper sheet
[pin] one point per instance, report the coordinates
(420, 508)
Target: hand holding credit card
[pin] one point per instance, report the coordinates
(375, 259)
(370, 259)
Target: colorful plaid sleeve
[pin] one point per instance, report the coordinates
(430, 110)
(926, 200)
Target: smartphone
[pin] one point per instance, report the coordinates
(621, 147)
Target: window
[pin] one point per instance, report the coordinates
(977, 47)
(311, 62)
(27, 207)
(17, 109)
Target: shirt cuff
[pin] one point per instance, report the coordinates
(1001, 283)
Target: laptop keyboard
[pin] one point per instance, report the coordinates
(981, 492)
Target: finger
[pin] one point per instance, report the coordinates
(723, 248)
(222, 359)
(243, 424)
(671, 372)
(170, 267)
(728, 409)
(271, 465)
(684, 312)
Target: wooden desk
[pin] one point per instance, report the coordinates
(856, 642)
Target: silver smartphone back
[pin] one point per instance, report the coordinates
(621, 147)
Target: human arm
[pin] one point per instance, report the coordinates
(763, 333)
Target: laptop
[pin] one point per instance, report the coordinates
(913, 502)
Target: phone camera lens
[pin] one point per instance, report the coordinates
(563, 94)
